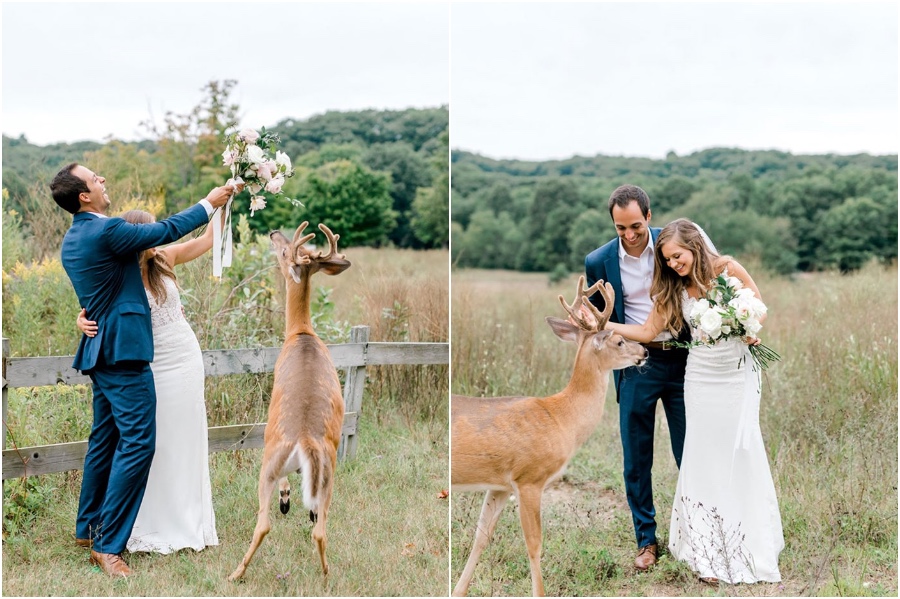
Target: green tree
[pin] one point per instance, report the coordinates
(490, 241)
(409, 172)
(189, 146)
(431, 207)
(350, 199)
(552, 212)
(851, 233)
(591, 229)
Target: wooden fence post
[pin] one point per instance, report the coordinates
(354, 384)
(5, 357)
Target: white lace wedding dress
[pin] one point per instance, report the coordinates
(725, 520)
(177, 510)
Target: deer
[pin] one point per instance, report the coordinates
(306, 412)
(519, 445)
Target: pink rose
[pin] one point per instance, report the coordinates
(228, 156)
(274, 186)
(248, 135)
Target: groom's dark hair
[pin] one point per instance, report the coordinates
(66, 188)
(625, 194)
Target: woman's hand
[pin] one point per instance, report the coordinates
(88, 327)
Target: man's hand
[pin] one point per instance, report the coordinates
(219, 196)
(88, 327)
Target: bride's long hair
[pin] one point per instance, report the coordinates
(157, 268)
(668, 286)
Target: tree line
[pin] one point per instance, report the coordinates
(792, 212)
(379, 177)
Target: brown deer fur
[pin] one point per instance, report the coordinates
(518, 445)
(306, 413)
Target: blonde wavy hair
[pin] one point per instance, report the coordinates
(668, 286)
(157, 267)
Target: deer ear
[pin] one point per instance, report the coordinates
(563, 329)
(334, 266)
(601, 338)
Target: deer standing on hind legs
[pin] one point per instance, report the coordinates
(306, 413)
(519, 445)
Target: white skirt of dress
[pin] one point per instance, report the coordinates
(177, 510)
(725, 520)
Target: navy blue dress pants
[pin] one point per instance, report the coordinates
(120, 451)
(639, 389)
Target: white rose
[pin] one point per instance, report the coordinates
(711, 323)
(734, 282)
(257, 203)
(248, 135)
(255, 154)
(284, 160)
(744, 293)
(699, 309)
(274, 186)
(752, 327)
(254, 188)
(756, 307)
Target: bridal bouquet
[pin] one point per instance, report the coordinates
(731, 310)
(255, 161)
(246, 154)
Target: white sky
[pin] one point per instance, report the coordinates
(79, 71)
(524, 80)
(543, 81)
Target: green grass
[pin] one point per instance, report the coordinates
(387, 533)
(828, 417)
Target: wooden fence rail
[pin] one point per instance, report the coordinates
(352, 357)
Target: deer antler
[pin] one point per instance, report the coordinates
(299, 232)
(332, 244)
(594, 319)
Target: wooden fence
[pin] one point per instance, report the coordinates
(352, 357)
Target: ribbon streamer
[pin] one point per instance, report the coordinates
(222, 238)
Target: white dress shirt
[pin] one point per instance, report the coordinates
(637, 276)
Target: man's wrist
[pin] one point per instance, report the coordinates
(207, 206)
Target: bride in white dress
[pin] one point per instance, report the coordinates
(725, 520)
(177, 510)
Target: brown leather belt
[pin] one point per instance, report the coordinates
(658, 345)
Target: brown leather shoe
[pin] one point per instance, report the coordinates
(86, 543)
(111, 563)
(646, 557)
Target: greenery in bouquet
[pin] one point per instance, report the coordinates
(256, 161)
(730, 310)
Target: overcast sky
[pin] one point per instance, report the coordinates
(524, 80)
(541, 81)
(89, 70)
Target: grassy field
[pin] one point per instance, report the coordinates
(828, 417)
(387, 527)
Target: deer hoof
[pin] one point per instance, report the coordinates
(285, 506)
(236, 575)
(313, 517)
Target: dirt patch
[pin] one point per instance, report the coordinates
(585, 499)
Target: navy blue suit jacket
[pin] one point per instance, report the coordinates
(100, 256)
(603, 263)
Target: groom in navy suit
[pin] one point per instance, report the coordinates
(627, 262)
(100, 255)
